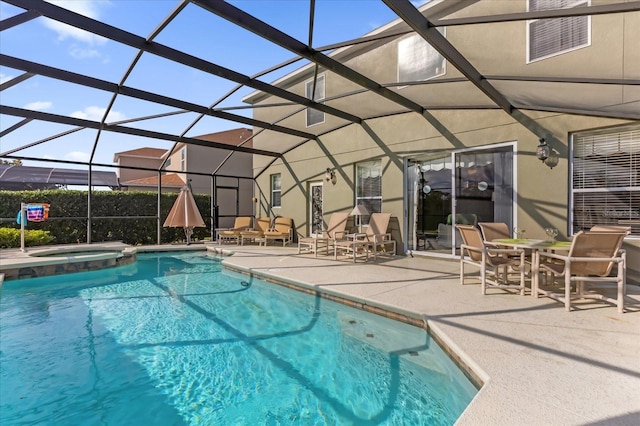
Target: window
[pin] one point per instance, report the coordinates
(183, 160)
(605, 178)
(276, 190)
(417, 60)
(369, 187)
(550, 37)
(314, 116)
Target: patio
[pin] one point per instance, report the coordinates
(540, 365)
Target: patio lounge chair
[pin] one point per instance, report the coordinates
(335, 231)
(233, 234)
(491, 261)
(282, 230)
(590, 261)
(257, 232)
(374, 241)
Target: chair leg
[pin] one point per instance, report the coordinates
(567, 292)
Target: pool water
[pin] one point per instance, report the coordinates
(174, 340)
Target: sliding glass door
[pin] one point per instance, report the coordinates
(464, 187)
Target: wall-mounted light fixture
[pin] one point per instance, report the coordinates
(543, 150)
(330, 176)
(546, 154)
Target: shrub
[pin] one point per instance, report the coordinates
(10, 238)
(120, 210)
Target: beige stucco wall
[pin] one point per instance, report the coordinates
(126, 175)
(542, 193)
(201, 159)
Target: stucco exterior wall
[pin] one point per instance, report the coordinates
(201, 159)
(542, 193)
(126, 175)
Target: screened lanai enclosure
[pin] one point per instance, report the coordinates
(82, 81)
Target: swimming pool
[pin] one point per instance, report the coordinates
(174, 339)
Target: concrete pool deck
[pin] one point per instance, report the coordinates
(540, 364)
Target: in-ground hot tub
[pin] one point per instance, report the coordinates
(59, 260)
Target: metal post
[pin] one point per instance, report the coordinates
(211, 211)
(159, 218)
(23, 218)
(89, 180)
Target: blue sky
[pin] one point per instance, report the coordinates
(195, 31)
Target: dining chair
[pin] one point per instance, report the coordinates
(496, 264)
(494, 230)
(611, 228)
(590, 262)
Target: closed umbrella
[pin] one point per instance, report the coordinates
(184, 214)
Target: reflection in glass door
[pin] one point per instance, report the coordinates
(429, 201)
(479, 188)
(315, 209)
(483, 190)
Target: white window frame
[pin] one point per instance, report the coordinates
(320, 95)
(409, 49)
(605, 142)
(275, 190)
(183, 159)
(575, 3)
(374, 168)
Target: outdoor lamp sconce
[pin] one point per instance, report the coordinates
(547, 155)
(330, 176)
(543, 151)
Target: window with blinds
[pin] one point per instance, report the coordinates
(605, 178)
(276, 190)
(550, 37)
(369, 187)
(314, 116)
(417, 60)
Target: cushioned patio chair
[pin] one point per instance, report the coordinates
(282, 230)
(591, 259)
(496, 264)
(376, 240)
(257, 232)
(335, 232)
(241, 223)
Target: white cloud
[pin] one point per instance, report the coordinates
(80, 52)
(77, 156)
(5, 77)
(95, 113)
(38, 105)
(88, 8)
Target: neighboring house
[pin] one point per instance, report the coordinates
(465, 157)
(144, 180)
(233, 195)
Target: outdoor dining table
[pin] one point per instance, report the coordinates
(535, 246)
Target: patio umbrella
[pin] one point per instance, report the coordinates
(184, 214)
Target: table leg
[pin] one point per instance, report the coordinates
(535, 272)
